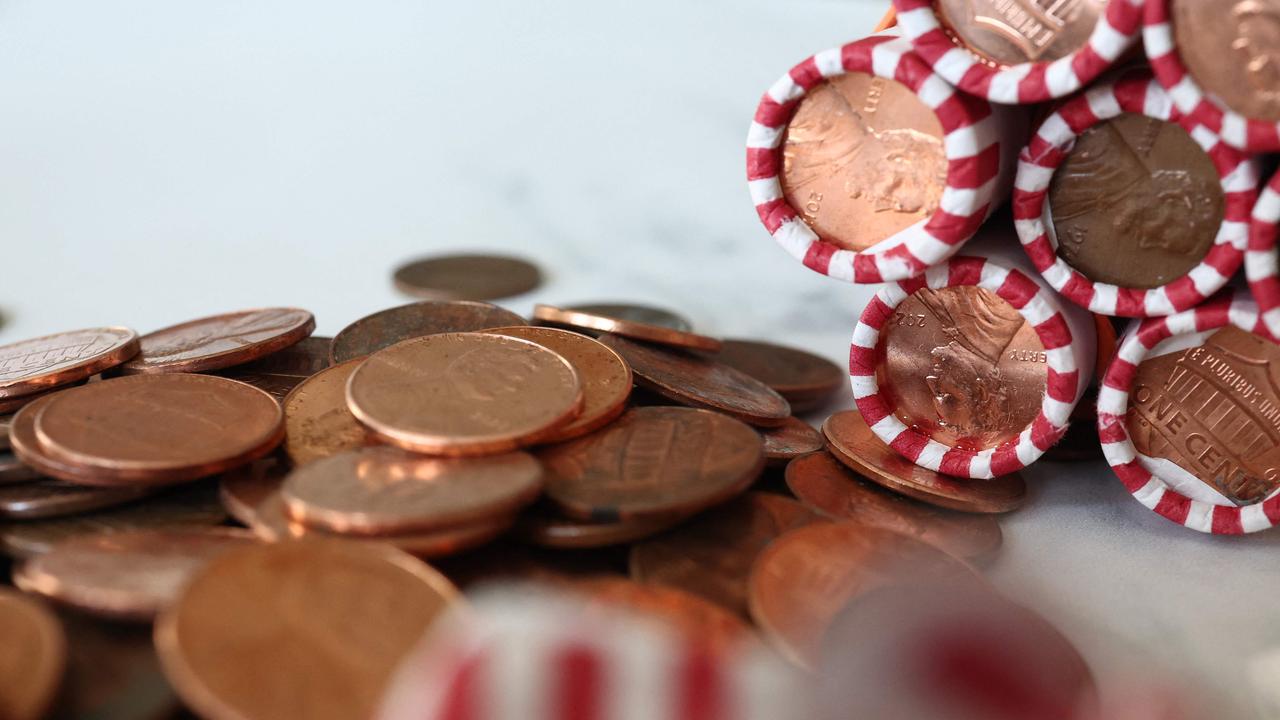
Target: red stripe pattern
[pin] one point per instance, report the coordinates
(1260, 266)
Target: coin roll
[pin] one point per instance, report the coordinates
(1170, 232)
(911, 175)
(1260, 261)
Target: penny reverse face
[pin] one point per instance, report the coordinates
(387, 327)
(220, 341)
(317, 423)
(32, 366)
(1019, 31)
(32, 657)
(467, 277)
(1232, 50)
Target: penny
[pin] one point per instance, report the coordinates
(281, 371)
(698, 620)
(852, 443)
(112, 672)
(962, 366)
(220, 341)
(467, 277)
(32, 657)
(385, 328)
(267, 631)
(1022, 31)
(464, 393)
(701, 382)
(1233, 51)
(317, 423)
(5, 422)
(1136, 203)
(606, 378)
(579, 320)
(826, 485)
(386, 491)
(645, 314)
(803, 378)
(800, 581)
(126, 575)
(158, 429)
(243, 490)
(31, 366)
(52, 498)
(790, 440)
(653, 462)
(862, 160)
(544, 526)
(14, 471)
(711, 555)
(14, 404)
(27, 447)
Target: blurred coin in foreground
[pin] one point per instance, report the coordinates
(467, 277)
(32, 657)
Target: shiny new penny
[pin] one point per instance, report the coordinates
(384, 491)
(695, 380)
(711, 555)
(548, 314)
(653, 462)
(862, 159)
(220, 341)
(853, 443)
(790, 440)
(1020, 31)
(467, 277)
(160, 428)
(645, 314)
(281, 371)
(464, 393)
(32, 657)
(127, 576)
(823, 483)
(1232, 50)
(308, 629)
(317, 423)
(700, 621)
(31, 366)
(544, 526)
(1136, 203)
(962, 366)
(385, 328)
(803, 378)
(14, 471)
(52, 498)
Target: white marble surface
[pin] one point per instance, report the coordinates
(164, 159)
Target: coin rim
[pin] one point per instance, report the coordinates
(140, 365)
(627, 328)
(122, 351)
(353, 327)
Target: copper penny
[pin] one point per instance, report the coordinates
(698, 620)
(220, 341)
(52, 498)
(126, 576)
(543, 526)
(31, 366)
(802, 580)
(1232, 50)
(577, 319)
(385, 328)
(1214, 411)
(387, 491)
(337, 619)
(467, 277)
(14, 404)
(804, 379)
(317, 423)
(862, 160)
(826, 485)
(605, 376)
(653, 462)
(644, 314)
(962, 366)
(14, 471)
(711, 555)
(243, 490)
(32, 657)
(27, 448)
(281, 371)
(160, 428)
(1020, 31)
(853, 443)
(1136, 203)
(790, 440)
(464, 393)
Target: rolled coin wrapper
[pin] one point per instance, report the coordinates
(970, 159)
(976, 338)
(1206, 410)
(1136, 93)
(1260, 266)
(1031, 31)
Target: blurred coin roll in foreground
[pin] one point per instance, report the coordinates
(1260, 265)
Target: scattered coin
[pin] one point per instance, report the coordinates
(853, 443)
(464, 393)
(14, 471)
(281, 371)
(317, 422)
(31, 366)
(701, 621)
(548, 314)
(388, 327)
(14, 404)
(700, 382)
(548, 528)
(467, 277)
(52, 498)
(804, 379)
(27, 448)
(32, 657)
(644, 314)
(220, 341)
(792, 439)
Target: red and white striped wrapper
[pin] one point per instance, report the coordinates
(1024, 83)
(1069, 365)
(1260, 265)
(978, 142)
(1135, 92)
(1156, 492)
(1200, 107)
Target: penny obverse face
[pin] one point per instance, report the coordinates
(1233, 51)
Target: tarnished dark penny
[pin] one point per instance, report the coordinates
(645, 314)
(1232, 49)
(699, 621)
(790, 440)
(220, 341)
(317, 423)
(159, 429)
(823, 483)
(52, 498)
(852, 443)
(711, 555)
(32, 657)
(281, 371)
(694, 380)
(653, 462)
(804, 379)
(543, 525)
(387, 327)
(31, 366)
(577, 319)
(127, 575)
(1013, 32)
(467, 277)
(14, 471)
